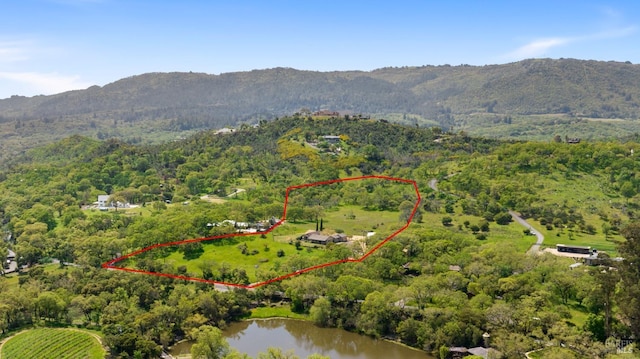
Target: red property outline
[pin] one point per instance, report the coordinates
(111, 264)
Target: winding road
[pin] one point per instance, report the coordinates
(535, 248)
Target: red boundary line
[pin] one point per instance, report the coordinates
(111, 264)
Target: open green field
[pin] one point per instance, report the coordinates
(592, 198)
(12, 280)
(277, 311)
(588, 195)
(352, 220)
(508, 235)
(261, 256)
(50, 343)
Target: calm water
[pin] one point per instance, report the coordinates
(304, 338)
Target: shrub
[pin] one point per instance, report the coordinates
(503, 218)
(448, 208)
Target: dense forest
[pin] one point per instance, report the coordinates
(460, 270)
(531, 99)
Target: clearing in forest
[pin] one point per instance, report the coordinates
(323, 224)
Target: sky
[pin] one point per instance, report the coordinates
(52, 46)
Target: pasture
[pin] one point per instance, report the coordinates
(264, 256)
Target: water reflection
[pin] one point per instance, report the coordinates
(304, 338)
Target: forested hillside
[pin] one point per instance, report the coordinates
(460, 270)
(528, 99)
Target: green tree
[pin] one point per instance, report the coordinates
(295, 213)
(50, 305)
(210, 343)
(320, 312)
(564, 285)
(409, 331)
(377, 315)
(32, 244)
(406, 208)
(41, 213)
(629, 289)
(512, 345)
(117, 200)
(628, 190)
(277, 353)
(595, 325)
(503, 218)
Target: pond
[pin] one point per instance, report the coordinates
(255, 336)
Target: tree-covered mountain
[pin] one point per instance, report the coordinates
(566, 97)
(458, 271)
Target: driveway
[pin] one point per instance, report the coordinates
(535, 248)
(13, 265)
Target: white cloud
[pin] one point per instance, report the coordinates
(13, 51)
(538, 47)
(44, 83)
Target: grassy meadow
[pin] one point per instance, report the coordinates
(277, 251)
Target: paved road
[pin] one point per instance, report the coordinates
(239, 190)
(221, 287)
(535, 248)
(433, 184)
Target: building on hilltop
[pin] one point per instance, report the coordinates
(326, 113)
(331, 139)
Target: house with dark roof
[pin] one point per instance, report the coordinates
(319, 238)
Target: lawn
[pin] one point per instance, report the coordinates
(53, 343)
(508, 235)
(278, 311)
(261, 256)
(591, 196)
(12, 280)
(352, 220)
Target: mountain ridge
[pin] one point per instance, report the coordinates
(458, 86)
(532, 99)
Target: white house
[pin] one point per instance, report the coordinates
(102, 201)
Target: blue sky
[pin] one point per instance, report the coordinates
(51, 46)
